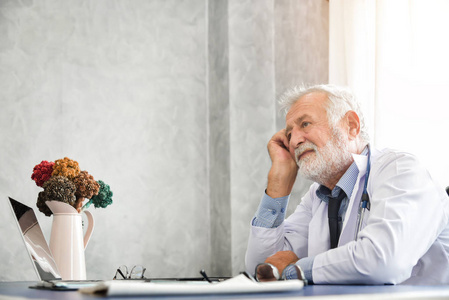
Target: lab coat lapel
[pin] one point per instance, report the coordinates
(319, 238)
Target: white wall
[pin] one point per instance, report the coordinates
(169, 102)
(272, 46)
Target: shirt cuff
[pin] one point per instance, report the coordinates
(271, 211)
(306, 265)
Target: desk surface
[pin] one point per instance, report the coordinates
(22, 290)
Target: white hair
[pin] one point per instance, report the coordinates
(340, 101)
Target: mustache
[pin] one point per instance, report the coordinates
(308, 146)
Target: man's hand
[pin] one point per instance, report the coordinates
(283, 170)
(282, 259)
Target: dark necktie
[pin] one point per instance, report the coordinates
(333, 208)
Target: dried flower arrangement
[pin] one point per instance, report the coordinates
(63, 180)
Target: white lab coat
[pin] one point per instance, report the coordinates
(404, 236)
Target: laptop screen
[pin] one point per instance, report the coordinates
(35, 242)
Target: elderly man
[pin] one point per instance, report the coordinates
(398, 232)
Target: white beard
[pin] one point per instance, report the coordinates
(324, 163)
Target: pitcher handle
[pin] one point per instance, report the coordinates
(90, 227)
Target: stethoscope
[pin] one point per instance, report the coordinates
(364, 202)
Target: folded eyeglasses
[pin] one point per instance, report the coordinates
(137, 272)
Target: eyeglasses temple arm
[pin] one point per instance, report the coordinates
(203, 273)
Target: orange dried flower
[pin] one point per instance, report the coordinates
(66, 167)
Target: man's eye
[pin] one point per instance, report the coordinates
(305, 124)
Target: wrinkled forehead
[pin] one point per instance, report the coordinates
(313, 103)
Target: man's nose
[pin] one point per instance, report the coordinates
(296, 138)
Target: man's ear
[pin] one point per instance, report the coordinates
(353, 124)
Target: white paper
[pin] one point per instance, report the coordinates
(236, 285)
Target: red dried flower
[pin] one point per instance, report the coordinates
(42, 172)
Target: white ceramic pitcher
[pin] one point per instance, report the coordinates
(67, 243)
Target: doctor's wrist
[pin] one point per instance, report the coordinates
(280, 183)
(294, 271)
(306, 265)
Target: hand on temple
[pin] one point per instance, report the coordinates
(284, 169)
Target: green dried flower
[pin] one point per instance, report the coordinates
(104, 197)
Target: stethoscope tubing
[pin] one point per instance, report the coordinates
(365, 201)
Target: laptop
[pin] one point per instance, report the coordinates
(39, 252)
